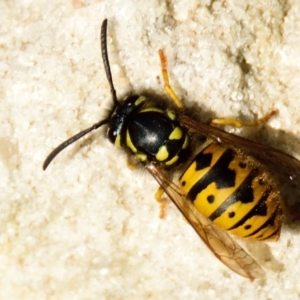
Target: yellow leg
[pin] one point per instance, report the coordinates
(162, 200)
(236, 123)
(159, 193)
(168, 88)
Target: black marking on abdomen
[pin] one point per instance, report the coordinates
(219, 173)
(203, 160)
(244, 194)
(260, 209)
(269, 223)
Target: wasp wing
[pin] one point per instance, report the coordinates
(218, 241)
(284, 166)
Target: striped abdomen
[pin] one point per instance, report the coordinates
(234, 192)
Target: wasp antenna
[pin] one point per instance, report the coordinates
(70, 141)
(103, 39)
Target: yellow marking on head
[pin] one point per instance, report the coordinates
(162, 153)
(118, 141)
(129, 143)
(139, 100)
(176, 134)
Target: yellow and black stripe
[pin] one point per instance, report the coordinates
(234, 192)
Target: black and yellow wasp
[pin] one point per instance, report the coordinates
(226, 189)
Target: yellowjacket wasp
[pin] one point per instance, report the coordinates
(227, 188)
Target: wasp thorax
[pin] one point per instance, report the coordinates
(149, 131)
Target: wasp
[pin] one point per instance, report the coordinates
(228, 188)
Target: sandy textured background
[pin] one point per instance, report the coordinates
(88, 227)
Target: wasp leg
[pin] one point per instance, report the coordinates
(169, 90)
(236, 123)
(162, 200)
(159, 195)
